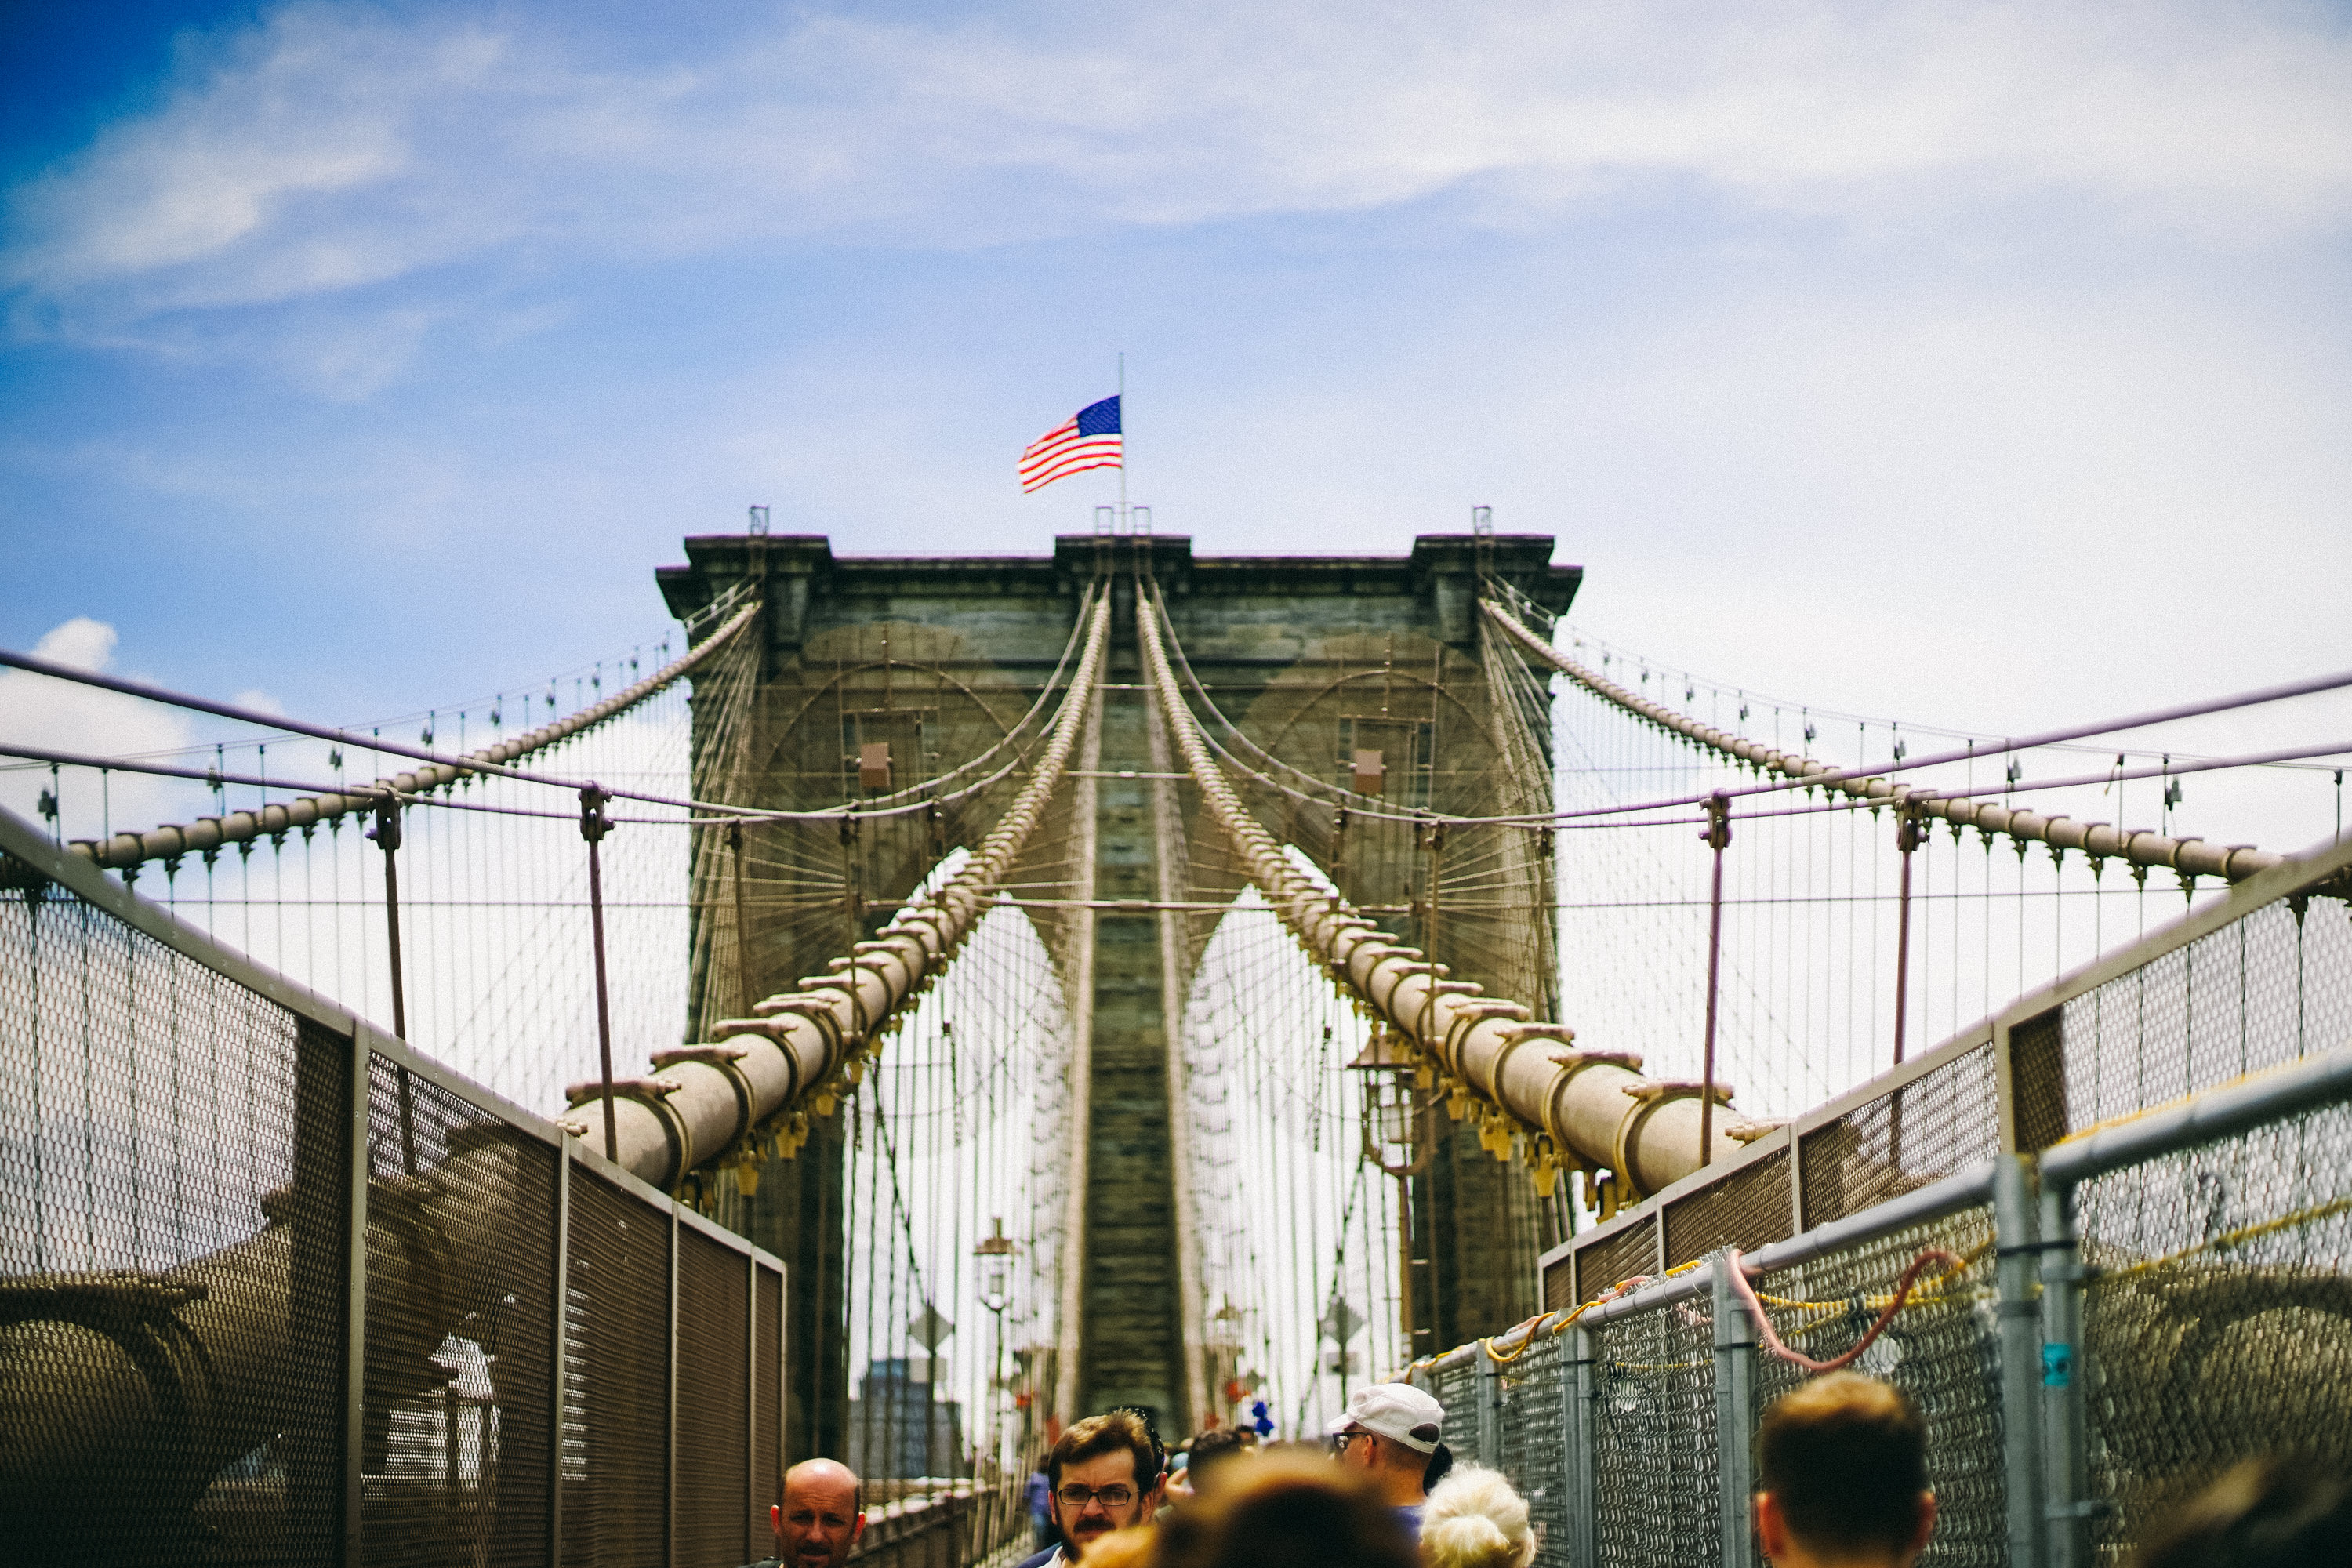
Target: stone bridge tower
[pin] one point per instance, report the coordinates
(1361, 671)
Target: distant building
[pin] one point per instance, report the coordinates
(893, 1415)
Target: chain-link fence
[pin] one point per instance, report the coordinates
(1943, 1350)
(2218, 1322)
(2142, 1176)
(1532, 1397)
(1654, 1435)
(273, 1289)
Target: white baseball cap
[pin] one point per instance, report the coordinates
(1397, 1411)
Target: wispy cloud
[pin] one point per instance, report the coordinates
(62, 715)
(327, 150)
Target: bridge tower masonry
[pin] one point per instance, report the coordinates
(1311, 656)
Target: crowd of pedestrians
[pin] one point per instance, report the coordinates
(1842, 1482)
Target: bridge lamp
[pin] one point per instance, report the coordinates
(996, 1256)
(1391, 1109)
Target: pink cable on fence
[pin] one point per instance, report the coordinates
(1902, 1292)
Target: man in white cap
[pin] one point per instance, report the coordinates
(1392, 1429)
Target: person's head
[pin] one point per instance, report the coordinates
(1130, 1548)
(1288, 1509)
(1213, 1454)
(2276, 1512)
(820, 1512)
(1475, 1519)
(1841, 1474)
(1105, 1472)
(1392, 1430)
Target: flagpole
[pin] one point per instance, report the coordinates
(1122, 440)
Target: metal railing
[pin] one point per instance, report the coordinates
(276, 1288)
(2144, 1172)
(968, 1522)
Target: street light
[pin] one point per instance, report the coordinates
(995, 1253)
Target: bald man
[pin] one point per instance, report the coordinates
(820, 1512)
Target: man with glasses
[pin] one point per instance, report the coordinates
(1392, 1431)
(1105, 1475)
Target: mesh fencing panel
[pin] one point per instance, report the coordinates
(1457, 1390)
(1747, 1211)
(616, 1378)
(2217, 1315)
(173, 1273)
(178, 1165)
(1532, 1399)
(457, 1413)
(1630, 1252)
(714, 1404)
(2219, 1326)
(1653, 1453)
(1940, 1122)
(767, 1402)
(2264, 990)
(1943, 1350)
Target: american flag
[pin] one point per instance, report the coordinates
(1088, 439)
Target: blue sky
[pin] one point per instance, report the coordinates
(1983, 364)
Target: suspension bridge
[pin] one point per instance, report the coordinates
(928, 1001)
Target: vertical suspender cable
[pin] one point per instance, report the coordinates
(592, 827)
(1906, 839)
(1718, 838)
(386, 834)
(742, 944)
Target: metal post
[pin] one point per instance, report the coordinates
(669, 1495)
(2017, 1236)
(386, 834)
(1907, 835)
(355, 1284)
(742, 930)
(2065, 1469)
(1735, 1416)
(592, 827)
(783, 1378)
(750, 1400)
(556, 1360)
(1718, 838)
(1576, 1438)
(1490, 1411)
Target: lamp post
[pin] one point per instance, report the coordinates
(995, 1258)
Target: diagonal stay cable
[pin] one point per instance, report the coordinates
(490, 760)
(328, 803)
(1823, 774)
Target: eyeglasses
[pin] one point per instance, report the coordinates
(1110, 1497)
(1339, 1440)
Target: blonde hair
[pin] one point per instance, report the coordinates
(1128, 1548)
(1476, 1519)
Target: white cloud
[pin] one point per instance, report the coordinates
(56, 715)
(326, 150)
(81, 642)
(259, 701)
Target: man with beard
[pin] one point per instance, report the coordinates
(1106, 1475)
(820, 1512)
